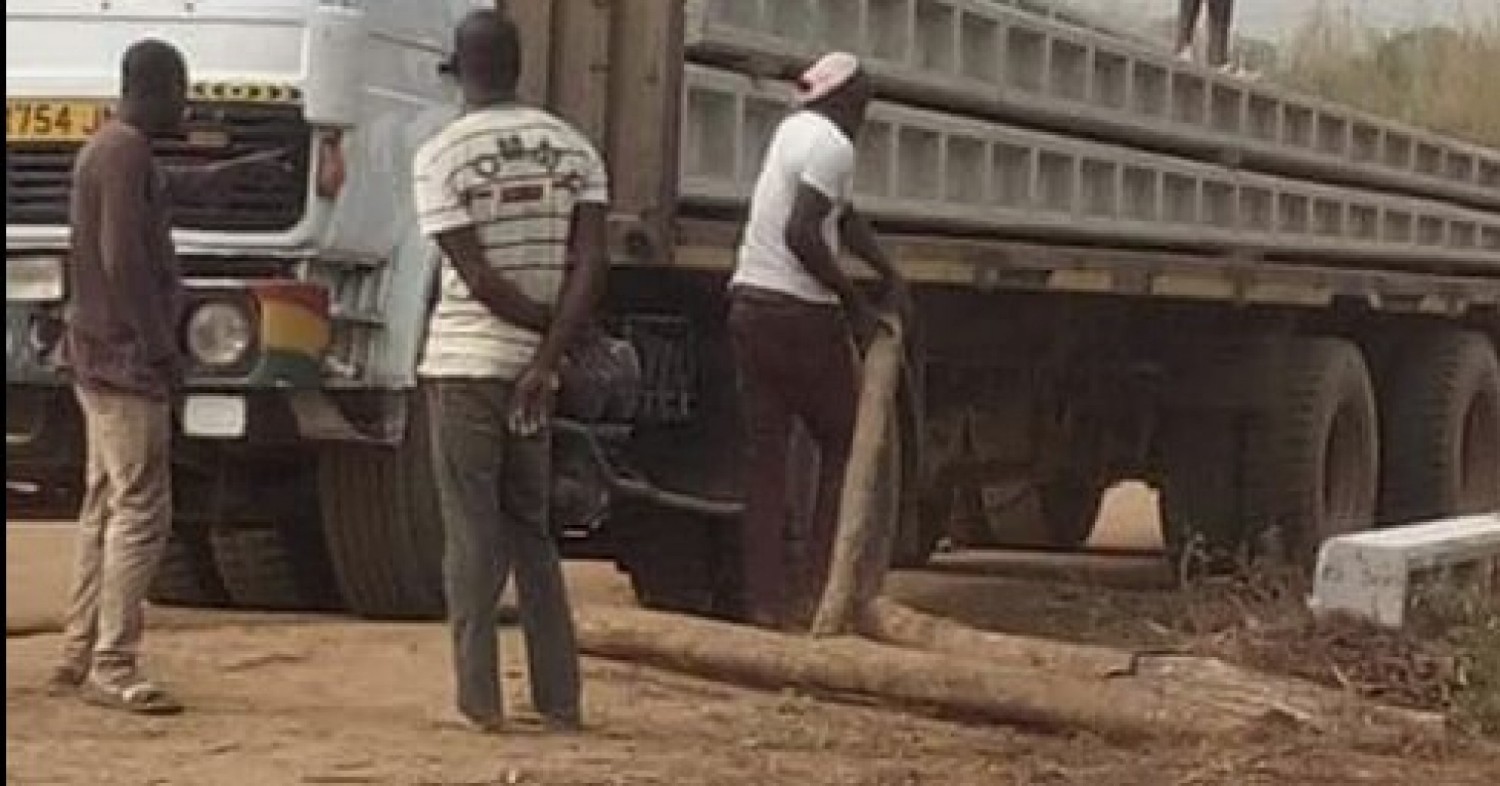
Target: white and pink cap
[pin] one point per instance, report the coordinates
(825, 77)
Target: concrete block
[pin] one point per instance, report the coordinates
(949, 171)
(1021, 61)
(1373, 574)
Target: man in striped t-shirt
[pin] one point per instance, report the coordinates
(517, 201)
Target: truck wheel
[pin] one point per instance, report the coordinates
(679, 561)
(915, 534)
(273, 567)
(1440, 407)
(1200, 490)
(1070, 509)
(187, 575)
(382, 524)
(1313, 471)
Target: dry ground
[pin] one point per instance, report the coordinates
(299, 700)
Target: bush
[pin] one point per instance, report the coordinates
(1443, 78)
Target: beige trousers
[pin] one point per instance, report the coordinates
(122, 529)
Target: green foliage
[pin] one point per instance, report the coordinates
(1436, 77)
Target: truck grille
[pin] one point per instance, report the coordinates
(265, 200)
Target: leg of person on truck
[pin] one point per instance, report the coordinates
(791, 316)
(1220, 20)
(1220, 15)
(121, 346)
(518, 201)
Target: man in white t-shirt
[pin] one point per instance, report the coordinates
(517, 200)
(793, 315)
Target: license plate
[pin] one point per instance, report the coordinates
(215, 417)
(30, 120)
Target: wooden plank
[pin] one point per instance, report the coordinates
(645, 101)
(534, 18)
(578, 88)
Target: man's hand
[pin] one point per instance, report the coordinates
(531, 401)
(276, 158)
(864, 321)
(896, 297)
(266, 160)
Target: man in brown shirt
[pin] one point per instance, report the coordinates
(125, 297)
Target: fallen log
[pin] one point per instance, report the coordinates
(1042, 685)
(895, 623)
(1177, 676)
(946, 685)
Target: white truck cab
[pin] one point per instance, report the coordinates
(346, 88)
(308, 286)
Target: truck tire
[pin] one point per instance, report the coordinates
(1440, 407)
(679, 561)
(915, 536)
(1313, 471)
(1070, 509)
(187, 575)
(382, 524)
(273, 567)
(1202, 520)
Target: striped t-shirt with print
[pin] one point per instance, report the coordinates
(514, 174)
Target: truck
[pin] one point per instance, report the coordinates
(1280, 312)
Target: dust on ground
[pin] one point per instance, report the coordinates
(300, 700)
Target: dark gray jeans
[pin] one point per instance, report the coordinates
(493, 488)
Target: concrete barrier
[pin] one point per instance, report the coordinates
(1374, 574)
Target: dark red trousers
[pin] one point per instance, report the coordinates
(796, 363)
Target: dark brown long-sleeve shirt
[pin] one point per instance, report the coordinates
(125, 291)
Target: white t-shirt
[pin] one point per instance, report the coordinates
(806, 148)
(515, 174)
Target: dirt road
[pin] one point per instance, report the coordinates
(305, 700)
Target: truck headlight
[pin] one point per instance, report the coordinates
(34, 279)
(220, 334)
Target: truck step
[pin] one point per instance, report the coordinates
(1377, 575)
(940, 171)
(1001, 62)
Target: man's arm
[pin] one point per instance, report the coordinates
(531, 403)
(860, 237)
(504, 299)
(445, 216)
(189, 182)
(203, 182)
(123, 226)
(589, 257)
(804, 236)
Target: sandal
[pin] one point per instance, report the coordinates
(481, 725)
(551, 724)
(66, 680)
(141, 697)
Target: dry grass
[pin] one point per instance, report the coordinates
(1447, 659)
(1438, 78)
